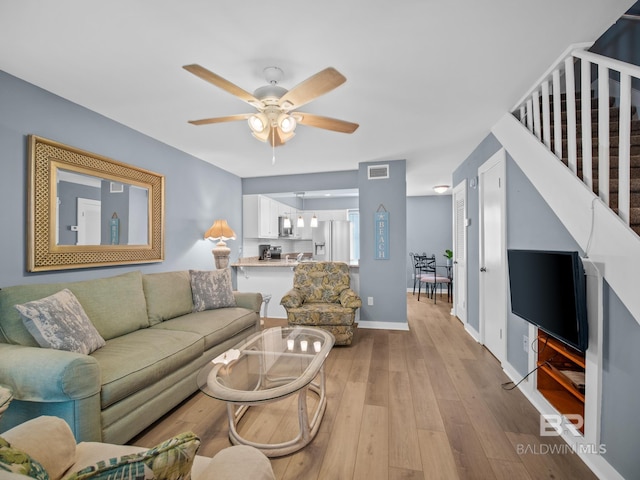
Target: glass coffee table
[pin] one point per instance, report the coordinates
(268, 366)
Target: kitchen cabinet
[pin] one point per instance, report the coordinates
(260, 216)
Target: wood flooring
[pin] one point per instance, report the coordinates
(422, 404)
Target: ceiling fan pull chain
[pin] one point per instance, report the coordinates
(273, 148)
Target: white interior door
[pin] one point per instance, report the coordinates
(460, 251)
(493, 316)
(88, 221)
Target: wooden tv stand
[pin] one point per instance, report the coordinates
(554, 358)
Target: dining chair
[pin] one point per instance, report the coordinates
(430, 277)
(418, 262)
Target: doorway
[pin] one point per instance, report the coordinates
(88, 221)
(492, 282)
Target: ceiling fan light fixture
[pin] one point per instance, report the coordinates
(258, 122)
(285, 136)
(286, 123)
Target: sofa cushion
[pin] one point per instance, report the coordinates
(171, 460)
(215, 326)
(321, 314)
(115, 305)
(56, 454)
(134, 361)
(211, 289)
(168, 295)
(14, 460)
(59, 321)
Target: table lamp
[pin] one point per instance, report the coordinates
(220, 230)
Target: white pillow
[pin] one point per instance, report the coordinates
(60, 322)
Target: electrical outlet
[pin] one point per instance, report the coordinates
(525, 343)
(369, 301)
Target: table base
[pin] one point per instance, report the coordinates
(307, 428)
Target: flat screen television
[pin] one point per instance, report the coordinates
(548, 289)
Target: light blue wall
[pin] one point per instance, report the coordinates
(384, 280)
(429, 228)
(532, 224)
(301, 182)
(307, 182)
(196, 192)
(620, 386)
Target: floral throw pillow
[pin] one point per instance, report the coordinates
(13, 460)
(171, 460)
(211, 289)
(60, 322)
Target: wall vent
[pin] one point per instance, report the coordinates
(377, 172)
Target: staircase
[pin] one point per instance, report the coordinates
(598, 205)
(614, 115)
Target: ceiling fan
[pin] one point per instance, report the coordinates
(276, 119)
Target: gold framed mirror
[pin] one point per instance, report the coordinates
(86, 210)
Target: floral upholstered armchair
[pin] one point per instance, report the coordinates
(322, 297)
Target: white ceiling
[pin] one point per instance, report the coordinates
(426, 79)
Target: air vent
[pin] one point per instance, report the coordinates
(116, 187)
(377, 172)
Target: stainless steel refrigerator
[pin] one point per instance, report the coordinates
(331, 241)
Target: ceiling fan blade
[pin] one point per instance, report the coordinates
(230, 118)
(327, 123)
(224, 84)
(311, 88)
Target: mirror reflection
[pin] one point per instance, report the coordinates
(97, 211)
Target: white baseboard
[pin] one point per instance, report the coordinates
(475, 335)
(404, 326)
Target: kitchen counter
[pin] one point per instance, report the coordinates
(254, 262)
(283, 262)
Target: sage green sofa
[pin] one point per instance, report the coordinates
(155, 346)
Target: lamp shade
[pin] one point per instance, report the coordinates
(220, 230)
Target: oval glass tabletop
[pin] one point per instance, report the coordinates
(269, 364)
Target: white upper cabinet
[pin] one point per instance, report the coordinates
(259, 216)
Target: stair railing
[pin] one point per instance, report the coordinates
(534, 111)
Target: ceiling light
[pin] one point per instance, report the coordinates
(441, 188)
(300, 223)
(286, 123)
(314, 221)
(285, 136)
(258, 122)
(286, 223)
